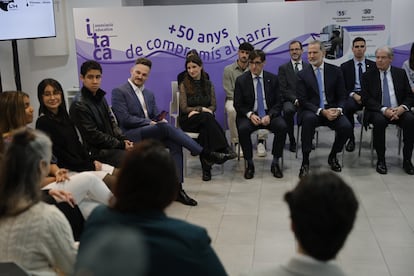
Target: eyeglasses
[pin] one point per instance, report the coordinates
(295, 49)
(50, 94)
(256, 63)
(359, 46)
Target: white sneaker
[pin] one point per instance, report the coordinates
(261, 150)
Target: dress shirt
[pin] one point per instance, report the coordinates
(390, 87)
(300, 66)
(321, 67)
(254, 77)
(138, 92)
(357, 85)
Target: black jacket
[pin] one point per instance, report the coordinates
(92, 116)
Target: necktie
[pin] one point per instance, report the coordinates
(360, 73)
(296, 67)
(320, 86)
(260, 105)
(386, 101)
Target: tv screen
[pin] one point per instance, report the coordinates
(21, 19)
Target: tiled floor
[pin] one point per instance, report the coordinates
(248, 221)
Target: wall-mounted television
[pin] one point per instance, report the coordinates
(20, 19)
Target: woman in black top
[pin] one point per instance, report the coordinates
(67, 146)
(197, 107)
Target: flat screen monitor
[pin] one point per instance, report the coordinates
(20, 19)
(323, 37)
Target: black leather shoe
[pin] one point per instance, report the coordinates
(333, 162)
(206, 175)
(185, 199)
(292, 146)
(214, 157)
(249, 172)
(408, 167)
(304, 170)
(350, 146)
(381, 167)
(277, 172)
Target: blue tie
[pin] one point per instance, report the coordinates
(386, 101)
(260, 105)
(319, 78)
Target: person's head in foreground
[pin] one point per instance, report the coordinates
(148, 179)
(323, 210)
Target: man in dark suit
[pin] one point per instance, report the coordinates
(287, 82)
(258, 103)
(136, 112)
(321, 94)
(352, 71)
(387, 97)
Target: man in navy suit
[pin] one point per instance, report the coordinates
(136, 111)
(321, 94)
(287, 81)
(352, 71)
(258, 103)
(387, 96)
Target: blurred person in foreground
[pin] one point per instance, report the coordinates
(322, 210)
(141, 195)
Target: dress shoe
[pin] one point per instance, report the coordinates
(215, 158)
(381, 167)
(292, 146)
(408, 167)
(333, 162)
(185, 199)
(350, 146)
(277, 172)
(304, 170)
(206, 175)
(249, 172)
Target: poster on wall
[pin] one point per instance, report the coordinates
(342, 21)
(116, 37)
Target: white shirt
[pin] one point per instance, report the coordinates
(140, 95)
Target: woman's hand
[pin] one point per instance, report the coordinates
(62, 196)
(98, 165)
(62, 175)
(192, 113)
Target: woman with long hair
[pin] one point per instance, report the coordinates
(197, 107)
(87, 189)
(54, 120)
(34, 234)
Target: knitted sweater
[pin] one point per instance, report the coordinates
(39, 239)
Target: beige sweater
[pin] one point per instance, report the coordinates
(39, 239)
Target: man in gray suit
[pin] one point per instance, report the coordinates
(322, 210)
(287, 83)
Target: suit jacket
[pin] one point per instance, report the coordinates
(174, 247)
(372, 91)
(128, 109)
(348, 70)
(244, 97)
(287, 80)
(308, 91)
(298, 266)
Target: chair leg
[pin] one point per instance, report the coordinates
(399, 134)
(360, 140)
(238, 151)
(185, 161)
(297, 140)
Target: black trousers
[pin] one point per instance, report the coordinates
(245, 127)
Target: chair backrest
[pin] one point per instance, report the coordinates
(175, 102)
(10, 268)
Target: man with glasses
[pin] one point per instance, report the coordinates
(321, 94)
(258, 103)
(387, 96)
(287, 81)
(352, 71)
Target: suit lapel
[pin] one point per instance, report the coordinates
(135, 98)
